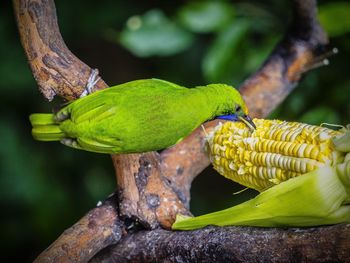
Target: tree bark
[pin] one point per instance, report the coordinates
(99, 228)
(233, 244)
(56, 70)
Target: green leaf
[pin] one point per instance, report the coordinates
(222, 53)
(206, 16)
(153, 34)
(334, 17)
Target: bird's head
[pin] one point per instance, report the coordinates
(239, 111)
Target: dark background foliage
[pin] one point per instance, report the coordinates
(46, 187)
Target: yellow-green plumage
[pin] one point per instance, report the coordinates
(138, 116)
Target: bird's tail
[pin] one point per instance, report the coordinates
(45, 128)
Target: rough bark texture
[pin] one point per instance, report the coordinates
(154, 187)
(301, 49)
(56, 70)
(99, 228)
(146, 196)
(233, 244)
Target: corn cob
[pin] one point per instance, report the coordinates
(318, 197)
(274, 152)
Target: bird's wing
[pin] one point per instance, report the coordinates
(95, 110)
(102, 104)
(94, 107)
(91, 145)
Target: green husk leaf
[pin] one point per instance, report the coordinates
(342, 142)
(320, 197)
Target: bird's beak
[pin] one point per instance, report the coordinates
(248, 121)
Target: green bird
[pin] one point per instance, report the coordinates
(138, 116)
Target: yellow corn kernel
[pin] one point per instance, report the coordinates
(274, 152)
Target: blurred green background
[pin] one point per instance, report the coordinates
(46, 187)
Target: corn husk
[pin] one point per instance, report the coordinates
(319, 197)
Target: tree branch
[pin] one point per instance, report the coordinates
(145, 195)
(99, 228)
(233, 244)
(56, 70)
(304, 46)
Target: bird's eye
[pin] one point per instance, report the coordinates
(238, 108)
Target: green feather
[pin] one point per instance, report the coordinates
(138, 116)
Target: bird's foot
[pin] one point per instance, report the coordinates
(93, 79)
(70, 142)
